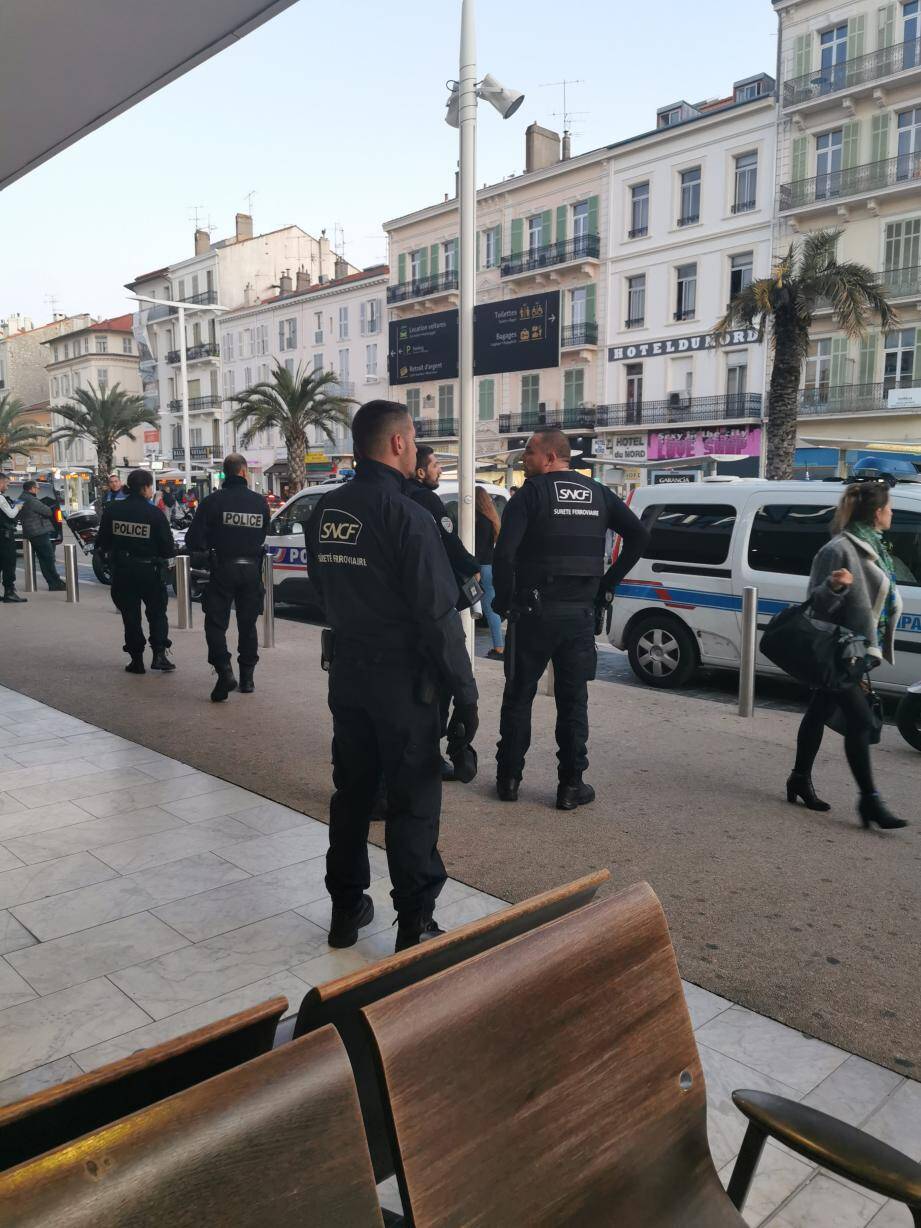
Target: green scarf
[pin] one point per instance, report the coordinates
(874, 539)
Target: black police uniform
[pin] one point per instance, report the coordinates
(9, 514)
(388, 594)
(547, 571)
(463, 562)
(232, 523)
(137, 538)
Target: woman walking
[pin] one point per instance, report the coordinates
(852, 583)
(486, 532)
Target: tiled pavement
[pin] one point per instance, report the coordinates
(140, 898)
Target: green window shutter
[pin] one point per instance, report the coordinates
(433, 260)
(517, 235)
(850, 139)
(498, 230)
(593, 215)
(423, 263)
(879, 137)
(561, 211)
(838, 372)
(917, 364)
(855, 34)
(885, 26)
(401, 267)
(487, 399)
(547, 228)
(869, 346)
(590, 304)
(800, 156)
(455, 243)
(802, 55)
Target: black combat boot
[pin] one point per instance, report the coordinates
(413, 928)
(346, 922)
(247, 686)
(507, 788)
(11, 596)
(136, 665)
(224, 685)
(572, 793)
(161, 661)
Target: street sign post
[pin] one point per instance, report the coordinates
(517, 334)
(423, 348)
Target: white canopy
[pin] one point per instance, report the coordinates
(69, 66)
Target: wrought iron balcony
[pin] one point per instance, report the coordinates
(851, 398)
(198, 451)
(743, 206)
(578, 334)
(580, 417)
(635, 322)
(196, 403)
(436, 428)
(860, 71)
(678, 410)
(905, 169)
(638, 232)
(689, 219)
(685, 313)
(158, 311)
(207, 349)
(897, 283)
(205, 299)
(582, 247)
(422, 287)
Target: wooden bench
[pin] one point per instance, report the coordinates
(340, 1002)
(273, 1143)
(62, 1113)
(555, 1080)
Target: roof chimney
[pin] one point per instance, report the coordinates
(303, 279)
(284, 282)
(541, 148)
(202, 242)
(244, 226)
(567, 147)
(342, 267)
(248, 294)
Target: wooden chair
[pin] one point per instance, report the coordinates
(339, 1002)
(62, 1113)
(555, 1080)
(273, 1143)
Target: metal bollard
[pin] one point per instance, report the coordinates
(184, 591)
(547, 681)
(71, 576)
(749, 650)
(268, 610)
(28, 567)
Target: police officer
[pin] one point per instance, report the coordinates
(137, 539)
(9, 514)
(388, 594)
(231, 524)
(547, 571)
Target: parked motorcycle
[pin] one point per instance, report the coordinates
(84, 526)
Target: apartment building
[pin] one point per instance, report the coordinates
(849, 157)
(333, 325)
(238, 271)
(691, 214)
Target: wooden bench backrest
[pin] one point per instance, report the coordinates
(339, 1002)
(62, 1113)
(275, 1142)
(553, 1081)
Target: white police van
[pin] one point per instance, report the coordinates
(681, 605)
(285, 540)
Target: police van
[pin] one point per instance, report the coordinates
(285, 540)
(681, 605)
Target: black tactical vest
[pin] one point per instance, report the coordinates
(567, 536)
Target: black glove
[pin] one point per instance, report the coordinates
(464, 723)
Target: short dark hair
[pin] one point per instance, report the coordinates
(30, 484)
(139, 479)
(373, 425)
(553, 440)
(234, 464)
(424, 452)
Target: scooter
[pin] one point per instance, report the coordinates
(908, 716)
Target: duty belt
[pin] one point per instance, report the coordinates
(254, 559)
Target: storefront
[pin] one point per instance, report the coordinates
(645, 457)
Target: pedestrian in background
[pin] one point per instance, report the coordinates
(9, 514)
(853, 584)
(487, 525)
(37, 520)
(116, 489)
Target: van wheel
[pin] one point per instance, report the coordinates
(908, 715)
(662, 651)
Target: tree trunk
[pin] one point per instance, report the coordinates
(783, 401)
(296, 444)
(103, 469)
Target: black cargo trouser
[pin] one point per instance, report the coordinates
(43, 548)
(135, 580)
(8, 560)
(239, 584)
(565, 636)
(380, 728)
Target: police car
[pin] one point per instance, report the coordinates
(285, 540)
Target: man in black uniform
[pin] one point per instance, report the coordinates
(9, 514)
(388, 594)
(547, 571)
(136, 537)
(231, 524)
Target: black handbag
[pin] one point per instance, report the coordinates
(813, 651)
(836, 720)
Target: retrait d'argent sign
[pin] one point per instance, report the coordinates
(423, 348)
(681, 345)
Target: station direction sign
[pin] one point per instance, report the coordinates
(423, 348)
(517, 334)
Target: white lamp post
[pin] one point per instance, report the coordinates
(183, 366)
(462, 109)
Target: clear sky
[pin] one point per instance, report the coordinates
(333, 113)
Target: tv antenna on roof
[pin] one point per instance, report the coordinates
(249, 201)
(195, 216)
(52, 301)
(339, 239)
(565, 115)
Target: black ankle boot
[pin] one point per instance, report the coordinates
(345, 923)
(411, 930)
(799, 784)
(872, 809)
(247, 686)
(161, 661)
(507, 788)
(224, 685)
(573, 793)
(135, 666)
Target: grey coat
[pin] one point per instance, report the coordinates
(858, 607)
(37, 517)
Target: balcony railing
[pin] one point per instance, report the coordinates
(205, 299)
(851, 398)
(635, 322)
(863, 70)
(578, 334)
(422, 287)
(207, 349)
(582, 247)
(679, 409)
(897, 283)
(834, 185)
(689, 219)
(581, 417)
(196, 403)
(743, 206)
(435, 428)
(638, 232)
(198, 451)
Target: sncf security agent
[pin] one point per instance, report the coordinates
(230, 525)
(388, 594)
(136, 538)
(549, 578)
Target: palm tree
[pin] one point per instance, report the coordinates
(103, 416)
(18, 434)
(809, 275)
(294, 402)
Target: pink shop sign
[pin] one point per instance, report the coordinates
(678, 445)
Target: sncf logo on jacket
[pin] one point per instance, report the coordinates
(571, 492)
(340, 527)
